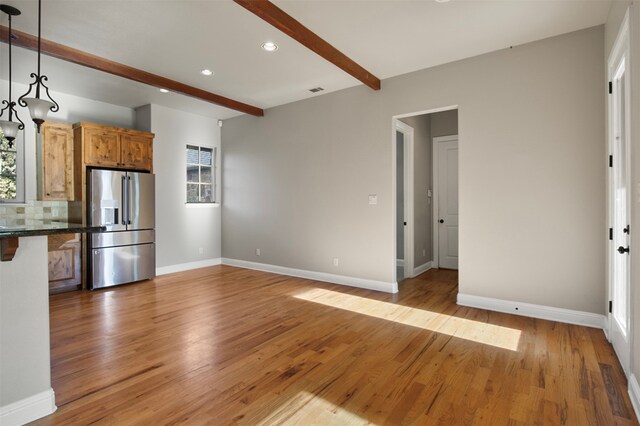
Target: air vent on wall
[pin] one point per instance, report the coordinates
(316, 89)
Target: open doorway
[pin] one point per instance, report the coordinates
(415, 221)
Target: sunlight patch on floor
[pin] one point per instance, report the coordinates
(480, 332)
(308, 409)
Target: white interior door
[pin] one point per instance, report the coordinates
(619, 200)
(447, 201)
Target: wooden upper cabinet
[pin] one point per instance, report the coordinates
(101, 147)
(104, 146)
(56, 162)
(136, 151)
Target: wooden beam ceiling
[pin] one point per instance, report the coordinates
(79, 57)
(294, 29)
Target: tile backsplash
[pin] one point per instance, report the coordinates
(34, 213)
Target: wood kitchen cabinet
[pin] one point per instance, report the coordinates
(55, 161)
(136, 151)
(101, 147)
(64, 263)
(104, 146)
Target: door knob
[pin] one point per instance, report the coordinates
(625, 230)
(623, 250)
(441, 221)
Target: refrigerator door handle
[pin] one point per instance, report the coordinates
(125, 200)
(128, 199)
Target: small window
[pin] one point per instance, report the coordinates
(201, 174)
(10, 182)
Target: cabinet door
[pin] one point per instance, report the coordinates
(101, 147)
(57, 162)
(136, 152)
(64, 263)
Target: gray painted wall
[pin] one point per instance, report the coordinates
(612, 27)
(532, 185)
(181, 230)
(444, 123)
(25, 368)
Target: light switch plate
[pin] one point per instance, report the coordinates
(373, 199)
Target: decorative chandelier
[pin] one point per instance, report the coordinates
(9, 127)
(38, 108)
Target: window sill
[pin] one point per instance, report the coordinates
(202, 205)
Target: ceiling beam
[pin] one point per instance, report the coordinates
(294, 29)
(85, 59)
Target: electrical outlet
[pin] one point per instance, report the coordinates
(336, 261)
(257, 252)
(200, 250)
(424, 252)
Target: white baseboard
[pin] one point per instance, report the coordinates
(399, 262)
(605, 328)
(535, 311)
(28, 409)
(422, 268)
(388, 287)
(634, 394)
(187, 266)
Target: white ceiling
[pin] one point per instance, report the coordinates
(176, 39)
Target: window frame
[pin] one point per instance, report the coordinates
(18, 143)
(214, 181)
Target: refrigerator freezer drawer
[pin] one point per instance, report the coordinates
(123, 238)
(120, 265)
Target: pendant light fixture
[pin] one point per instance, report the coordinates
(38, 108)
(9, 127)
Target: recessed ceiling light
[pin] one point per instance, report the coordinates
(207, 72)
(269, 46)
(442, 1)
(164, 90)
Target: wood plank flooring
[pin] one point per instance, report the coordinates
(224, 345)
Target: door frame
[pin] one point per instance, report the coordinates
(436, 193)
(394, 172)
(620, 48)
(408, 184)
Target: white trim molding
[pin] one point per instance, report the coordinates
(408, 181)
(387, 287)
(188, 266)
(28, 409)
(634, 394)
(422, 268)
(534, 311)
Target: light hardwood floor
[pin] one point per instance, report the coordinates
(224, 345)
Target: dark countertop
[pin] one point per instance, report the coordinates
(48, 228)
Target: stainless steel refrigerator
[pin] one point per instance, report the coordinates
(124, 202)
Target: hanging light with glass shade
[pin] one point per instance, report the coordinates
(9, 127)
(38, 108)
